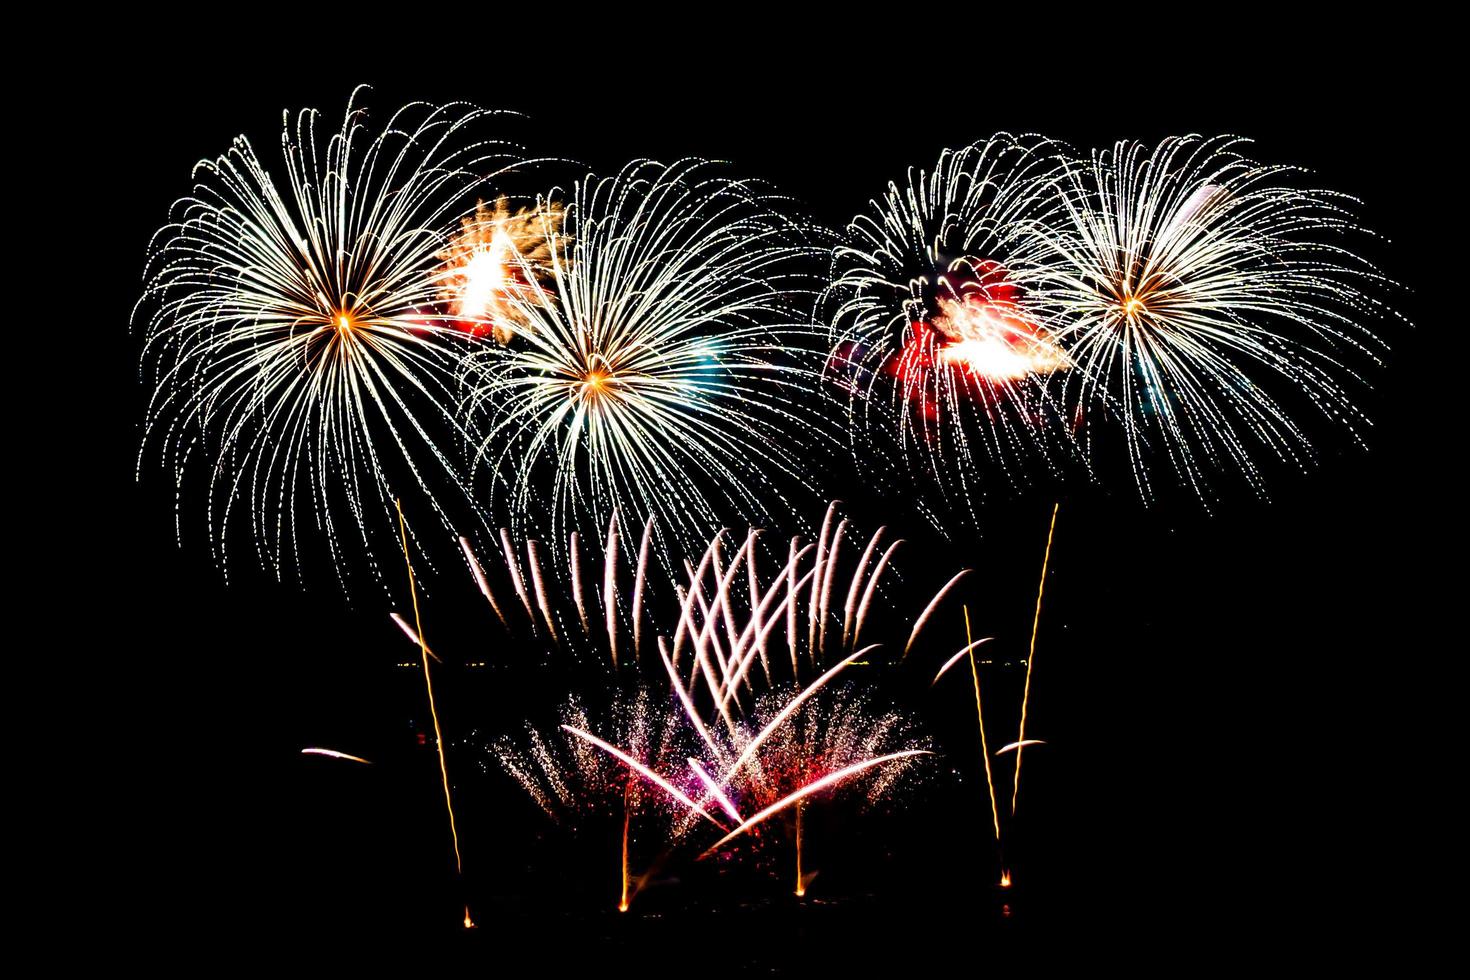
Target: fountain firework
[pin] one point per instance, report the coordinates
(742, 710)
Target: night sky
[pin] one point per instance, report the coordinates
(1241, 703)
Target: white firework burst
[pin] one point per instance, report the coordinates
(1205, 300)
(932, 327)
(658, 371)
(302, 363)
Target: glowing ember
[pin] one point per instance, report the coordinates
(988, 331)
(1005, 879)
(496, 264)
(994, 340)
(625, 898)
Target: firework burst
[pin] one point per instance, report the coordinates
(299, 346)
(933, 332)
(656, 373)
(1203, 300)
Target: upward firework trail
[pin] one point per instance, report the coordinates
(299, 347)
(429, 688)
(1203, 301)
(655, 373)
(1021, 740)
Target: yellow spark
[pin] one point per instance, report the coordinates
(980, 717)
(1031, 656)
(429, 686)
(623, 901)
(800, 884)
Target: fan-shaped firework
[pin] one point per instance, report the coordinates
(574, 773)
(932, 325)
(301, 356)
(655, 373)
(746, 714)
(1202, 299)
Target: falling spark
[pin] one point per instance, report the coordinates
(924, 616)
(609, 588)
(639, 581)
(1031, 655)
(514, 567)
(959, 656)
(575, 562)
(481, 581)
(413, 635)
(1017, 745)
(334, 754)
(849, 608)
(543, 601)
(862, 613)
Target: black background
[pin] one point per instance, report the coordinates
(1243, 707)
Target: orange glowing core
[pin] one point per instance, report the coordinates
(496, 265)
